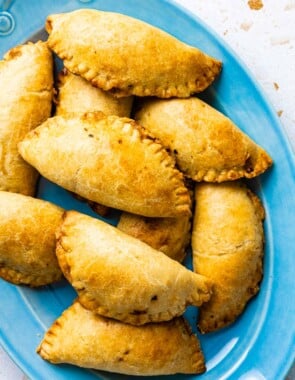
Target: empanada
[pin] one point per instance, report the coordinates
(26, 80)
(27, 240)
(76, 94)
(168, 235)
(109, 160)
(227, 242)
(121, 277)
(84, 339)
(206, 144)
(127, 56)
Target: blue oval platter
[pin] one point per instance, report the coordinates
(260, 344)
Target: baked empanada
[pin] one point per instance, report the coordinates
(227, 242)
(121, 277)
(26, 80)
(109, 160)
(168, 235)
(27, 240)
(84, 339)
(76, 94)
(127, 56)
(206, 144)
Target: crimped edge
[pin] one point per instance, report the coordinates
(212, 175)
(202, 294)
(198, 359)
(182, 198)
(45, 346)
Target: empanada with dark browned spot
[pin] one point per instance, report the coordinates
(206, 144)
(121, 277)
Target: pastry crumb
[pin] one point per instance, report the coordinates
(289, 7)
(255, 4)
(279, 113)
(246, 26)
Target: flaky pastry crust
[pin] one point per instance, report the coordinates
(206, 144)
(26, 78)
(109, 160)
(27, 240)
(127, 56)
(227, 242)
(121, 277)
(109, 345)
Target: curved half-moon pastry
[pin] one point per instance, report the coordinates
(227, 244)
(75, 94)
(108, 160)
(206, 144)
(168, 235)
(127, 56)
(27, 240)
(84, 339)
(26, 81)
(121, 277)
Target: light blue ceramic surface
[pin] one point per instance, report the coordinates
(260, 345)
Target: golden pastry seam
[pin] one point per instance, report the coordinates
(138, 317)
(102, 81)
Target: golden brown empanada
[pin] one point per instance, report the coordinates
(75, 94)
(168, 235)
(227, 244)
(84, 339)
(27, 240)
(121, 277)
(127, 56)
(26, 81)
(207, 145)
(109, 160)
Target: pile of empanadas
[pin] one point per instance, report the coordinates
(127, 132)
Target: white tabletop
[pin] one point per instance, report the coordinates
(265, 40)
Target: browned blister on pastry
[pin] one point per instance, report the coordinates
(127, 56)
(84, 339)
(206, 144)
(26, 80)
(109, 160)
(227, 244)
(27, 240)
(121, 277)
(168, 235)
(76, 94)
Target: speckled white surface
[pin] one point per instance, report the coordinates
(264, 39)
